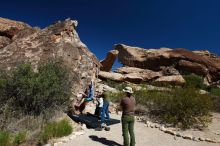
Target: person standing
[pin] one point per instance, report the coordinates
(99, 105)
(128, 107)
(105, 110)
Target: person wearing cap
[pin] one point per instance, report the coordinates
(128, 107)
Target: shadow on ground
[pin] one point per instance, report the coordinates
(91, 121)
(104, 141)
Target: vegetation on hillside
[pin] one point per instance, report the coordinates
(30, 99)
(54, 130)
(33, 92)
(182, 106)
(9, 139)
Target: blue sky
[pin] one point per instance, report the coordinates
(191, 24)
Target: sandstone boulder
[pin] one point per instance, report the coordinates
(102, 87)
(108, 62)
(205, 53)
(201, 63)
(140, 74)
(146, 59)
(133, 77)
(59, 41)
(193, 67)
(176, 80)
(127, 70)
(111, 75)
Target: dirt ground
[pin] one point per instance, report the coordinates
(145, 136)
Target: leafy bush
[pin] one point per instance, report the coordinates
(55, 129)
(194, 81)
(5, 138)
(120, 86)
(3, 85)
(183, 107)
(142, 96)
(111, 83)
(34, 92)
(19, 138)
(116, 85)
(214, 91)
(215, 94)
(114, 97)
(48, 132)
(63, 128)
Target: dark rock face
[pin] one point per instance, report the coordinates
(57, 41)
(169, 70)
(180, 60)
(108, 62)
(193, 67)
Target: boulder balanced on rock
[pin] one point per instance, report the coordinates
(108, 62)
(183, 61)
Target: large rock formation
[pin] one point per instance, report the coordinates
(181, 60)
(108, 62)
(20, 43)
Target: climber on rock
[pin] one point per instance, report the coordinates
(85, 98)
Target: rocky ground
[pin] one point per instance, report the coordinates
(145, 136)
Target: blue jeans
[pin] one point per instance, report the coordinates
(105, 112)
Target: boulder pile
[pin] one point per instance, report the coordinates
(163, 65)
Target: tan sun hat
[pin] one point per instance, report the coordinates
(128, 90)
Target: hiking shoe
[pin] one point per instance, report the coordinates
(107, 128)
(103, 125)
(98, 129)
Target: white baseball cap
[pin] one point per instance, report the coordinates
(128, 90)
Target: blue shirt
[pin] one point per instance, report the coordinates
(91, 93)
